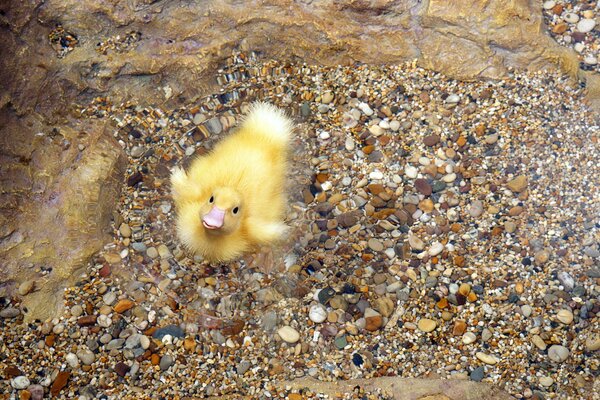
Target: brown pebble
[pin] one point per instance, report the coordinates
(104, 271)
(50, 339)
(155, 359)
(87, 320)
(373, 323)
(11, 371)
(431, 140)
(60, 382)
(459, 328)
(189, 344)
(122, 369)
(423, 187)
(25, 395)
(518, 184)
(123, 305)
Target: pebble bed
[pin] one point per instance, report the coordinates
(439, 229)
(575, 24)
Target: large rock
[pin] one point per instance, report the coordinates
(181, 43)
(58, 188)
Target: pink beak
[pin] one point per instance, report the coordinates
(214, 219)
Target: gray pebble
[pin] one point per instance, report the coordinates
(558, 353)
(20, 382)
(165, 362)
(477, 374)
(243, 366)
(86, 357)
(9, 312)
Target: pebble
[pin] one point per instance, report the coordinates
(469, 337)
(565, 316)
(558, 353)
(137, 151)
(165, 362)
(538, 342)
(317, 313)
(435, 249)
(549, 4)
(426, 325)
(20, 382)
(171, 330)
(86, 356)
(288, 334)
(592, 343)
(518, 184)
(477, 374)
(375, 245)
(546, 381)
(586, 25)
(9, 312)
(72, 360)
(526, 310)
(571, 18)
(26, 287)
(486, 358)
(415, 243)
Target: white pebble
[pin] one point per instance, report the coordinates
(548, 5)
(376, 175)
(324, 135)
(586, 25)
(486, 358)
(571, 18)
(364, 107)
(469, 337)
(411, 172)
(435, 249)
(72, 360)
(558, 353)
(546, 381)
(453, 99)
(20, 382)
(590, 60)
(104, 321)
(288, 334)
(394, 125)
(317, 313)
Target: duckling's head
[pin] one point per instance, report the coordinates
(222, 211)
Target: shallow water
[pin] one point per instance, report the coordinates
(441, 229)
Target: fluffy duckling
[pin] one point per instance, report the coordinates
(232, 200)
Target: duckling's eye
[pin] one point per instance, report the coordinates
(212, 199)
(235, 210)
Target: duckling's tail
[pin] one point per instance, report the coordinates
(268, 121)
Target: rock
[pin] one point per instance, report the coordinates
(426, 325)
(476, 209)
(26, 287)
(565, 316)
(486, 358)
(459, 328)
(60, 382)
(86, 356)
(123, 305)
(558, 353)
(586, 25)
(20, 382)
(384, 305)
(317, 313)
(122, 369)
(415, 243)
(469, 337)
(214, 126)
(566, 280)
(288, 334)
(423, 187)
(518, 184)
(538, 342)
(165, 362)
(37, 392)
(72, 360)
(9, 312)
(373, 320)
(592, 343)
(431, 140)
(477, 374)
(435, 249)
(375, 245)
(546, 381)
(172, 330)
(125, 230)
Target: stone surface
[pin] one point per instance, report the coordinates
(405, 388)
(170, 61)
(57, 203)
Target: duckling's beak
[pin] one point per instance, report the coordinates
(214, 219)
